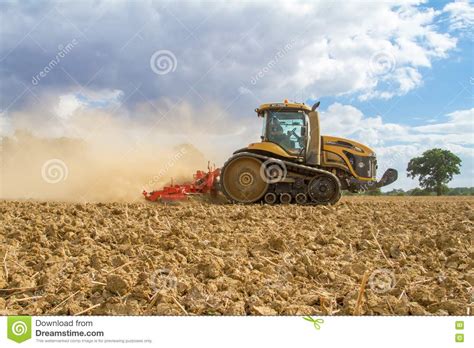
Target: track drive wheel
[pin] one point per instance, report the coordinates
(241, 181)
(324, 189)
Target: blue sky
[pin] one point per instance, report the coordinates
(446, 87)
(442, 89)
(430, 101)
(397, 76)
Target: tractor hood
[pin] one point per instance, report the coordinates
(351, 145)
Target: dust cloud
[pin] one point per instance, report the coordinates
(103, 156)
(78, 170)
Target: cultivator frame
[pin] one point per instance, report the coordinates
(203, 183)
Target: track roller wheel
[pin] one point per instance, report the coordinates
(270, 198)
(285, 198)
(301, 198)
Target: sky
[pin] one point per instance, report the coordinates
(397, 76)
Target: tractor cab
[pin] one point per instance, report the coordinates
(285, 124)
(292, 127)
(286, 128)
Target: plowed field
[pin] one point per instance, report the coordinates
(368, 256)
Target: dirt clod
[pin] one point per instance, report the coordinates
(117, 284)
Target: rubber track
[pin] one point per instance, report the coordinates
(290, 166)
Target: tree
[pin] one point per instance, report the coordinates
(435, 169)
(374, 192)
(395, 192)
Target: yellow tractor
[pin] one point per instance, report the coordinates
(294, 163)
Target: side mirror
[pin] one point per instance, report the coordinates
(315, 106)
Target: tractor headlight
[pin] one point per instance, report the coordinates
(363, 165)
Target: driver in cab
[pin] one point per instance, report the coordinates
(277, 135)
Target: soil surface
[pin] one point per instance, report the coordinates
(367, 256)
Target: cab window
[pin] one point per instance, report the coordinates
(286, 128)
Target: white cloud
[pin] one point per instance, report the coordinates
(335, 47)
(460, 123)
(71, 102)
(348, 121)
(67, 105)
(396, 144)
(345, 52)
(461, 15)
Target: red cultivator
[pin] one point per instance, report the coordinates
(203, 182)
